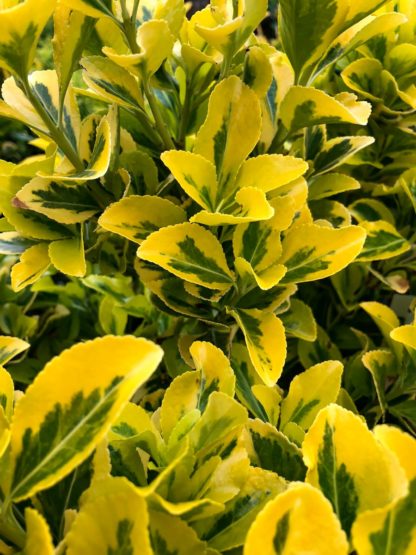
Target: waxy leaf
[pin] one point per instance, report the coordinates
(271, 450)
(33, 263)
(299, 321)
(393, 527)
(64, 203)
(266, 342)
(13, 243)
(230, 131)
(155, 42)
(311, 391)
(70, 407)
(326, 252)
(71, 32)
(190, 252)
(9, 348)
(270, 171)
(352, 469)
(22, 25)
(305, 106)
(170, 534)
(38, 535)
(136, 217)
(229, 529)
(299, 520)
(67, 255)
(337, 151)
(191, 390)
(232, 26)
(99, 160)
(383, 242)
(113, 520)
(93, 8)
(6, 382)
(330, 184)
(112, 82)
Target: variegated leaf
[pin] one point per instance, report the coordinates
(155, 43)
(9, 348)
(299, 520)
(189, 252)
(305, 106)
(33, 263)
(71, 32)
(21, 25)
(230, 131)
(271, 450)
(112, 520)
(68, 256)
(299, 321)
(352, 469)
(391, 528)
(311, 391)
(112, 82)
(229, 529)
(326, 252)
(38, 536)
(383, 242)
(136, 217)
(337, 151)
(266, 342)
(330, 184)
(65, 203)
(70, 407)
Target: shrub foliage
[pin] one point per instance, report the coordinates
(206, 279)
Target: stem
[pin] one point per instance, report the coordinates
(56, 134)
(160, 124)
(10, 528)
(185, 114)
(278, 140)
(134, 11)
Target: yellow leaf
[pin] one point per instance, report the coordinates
(136, 217)
(346, 462)
(155, 42)
(250, 204)
(68, 256)
(403, 445)
(311, 391)
(6, 383)
(270, 171)
(326, 252)
(66, 203)
(113, 519)
(33, 263)
(196, 175)
(299, 520)
(305, 106)
(230, 131)
(80, 393)
(266, 342)
(383, 242)
(190, 252)
(21, 26)
(38, 535)
(9, 348)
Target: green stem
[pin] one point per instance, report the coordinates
(278, 140)
(10, 528)
(134, 11)
(160, 124)
(56, 134)
(129, 27)
(185, 114)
